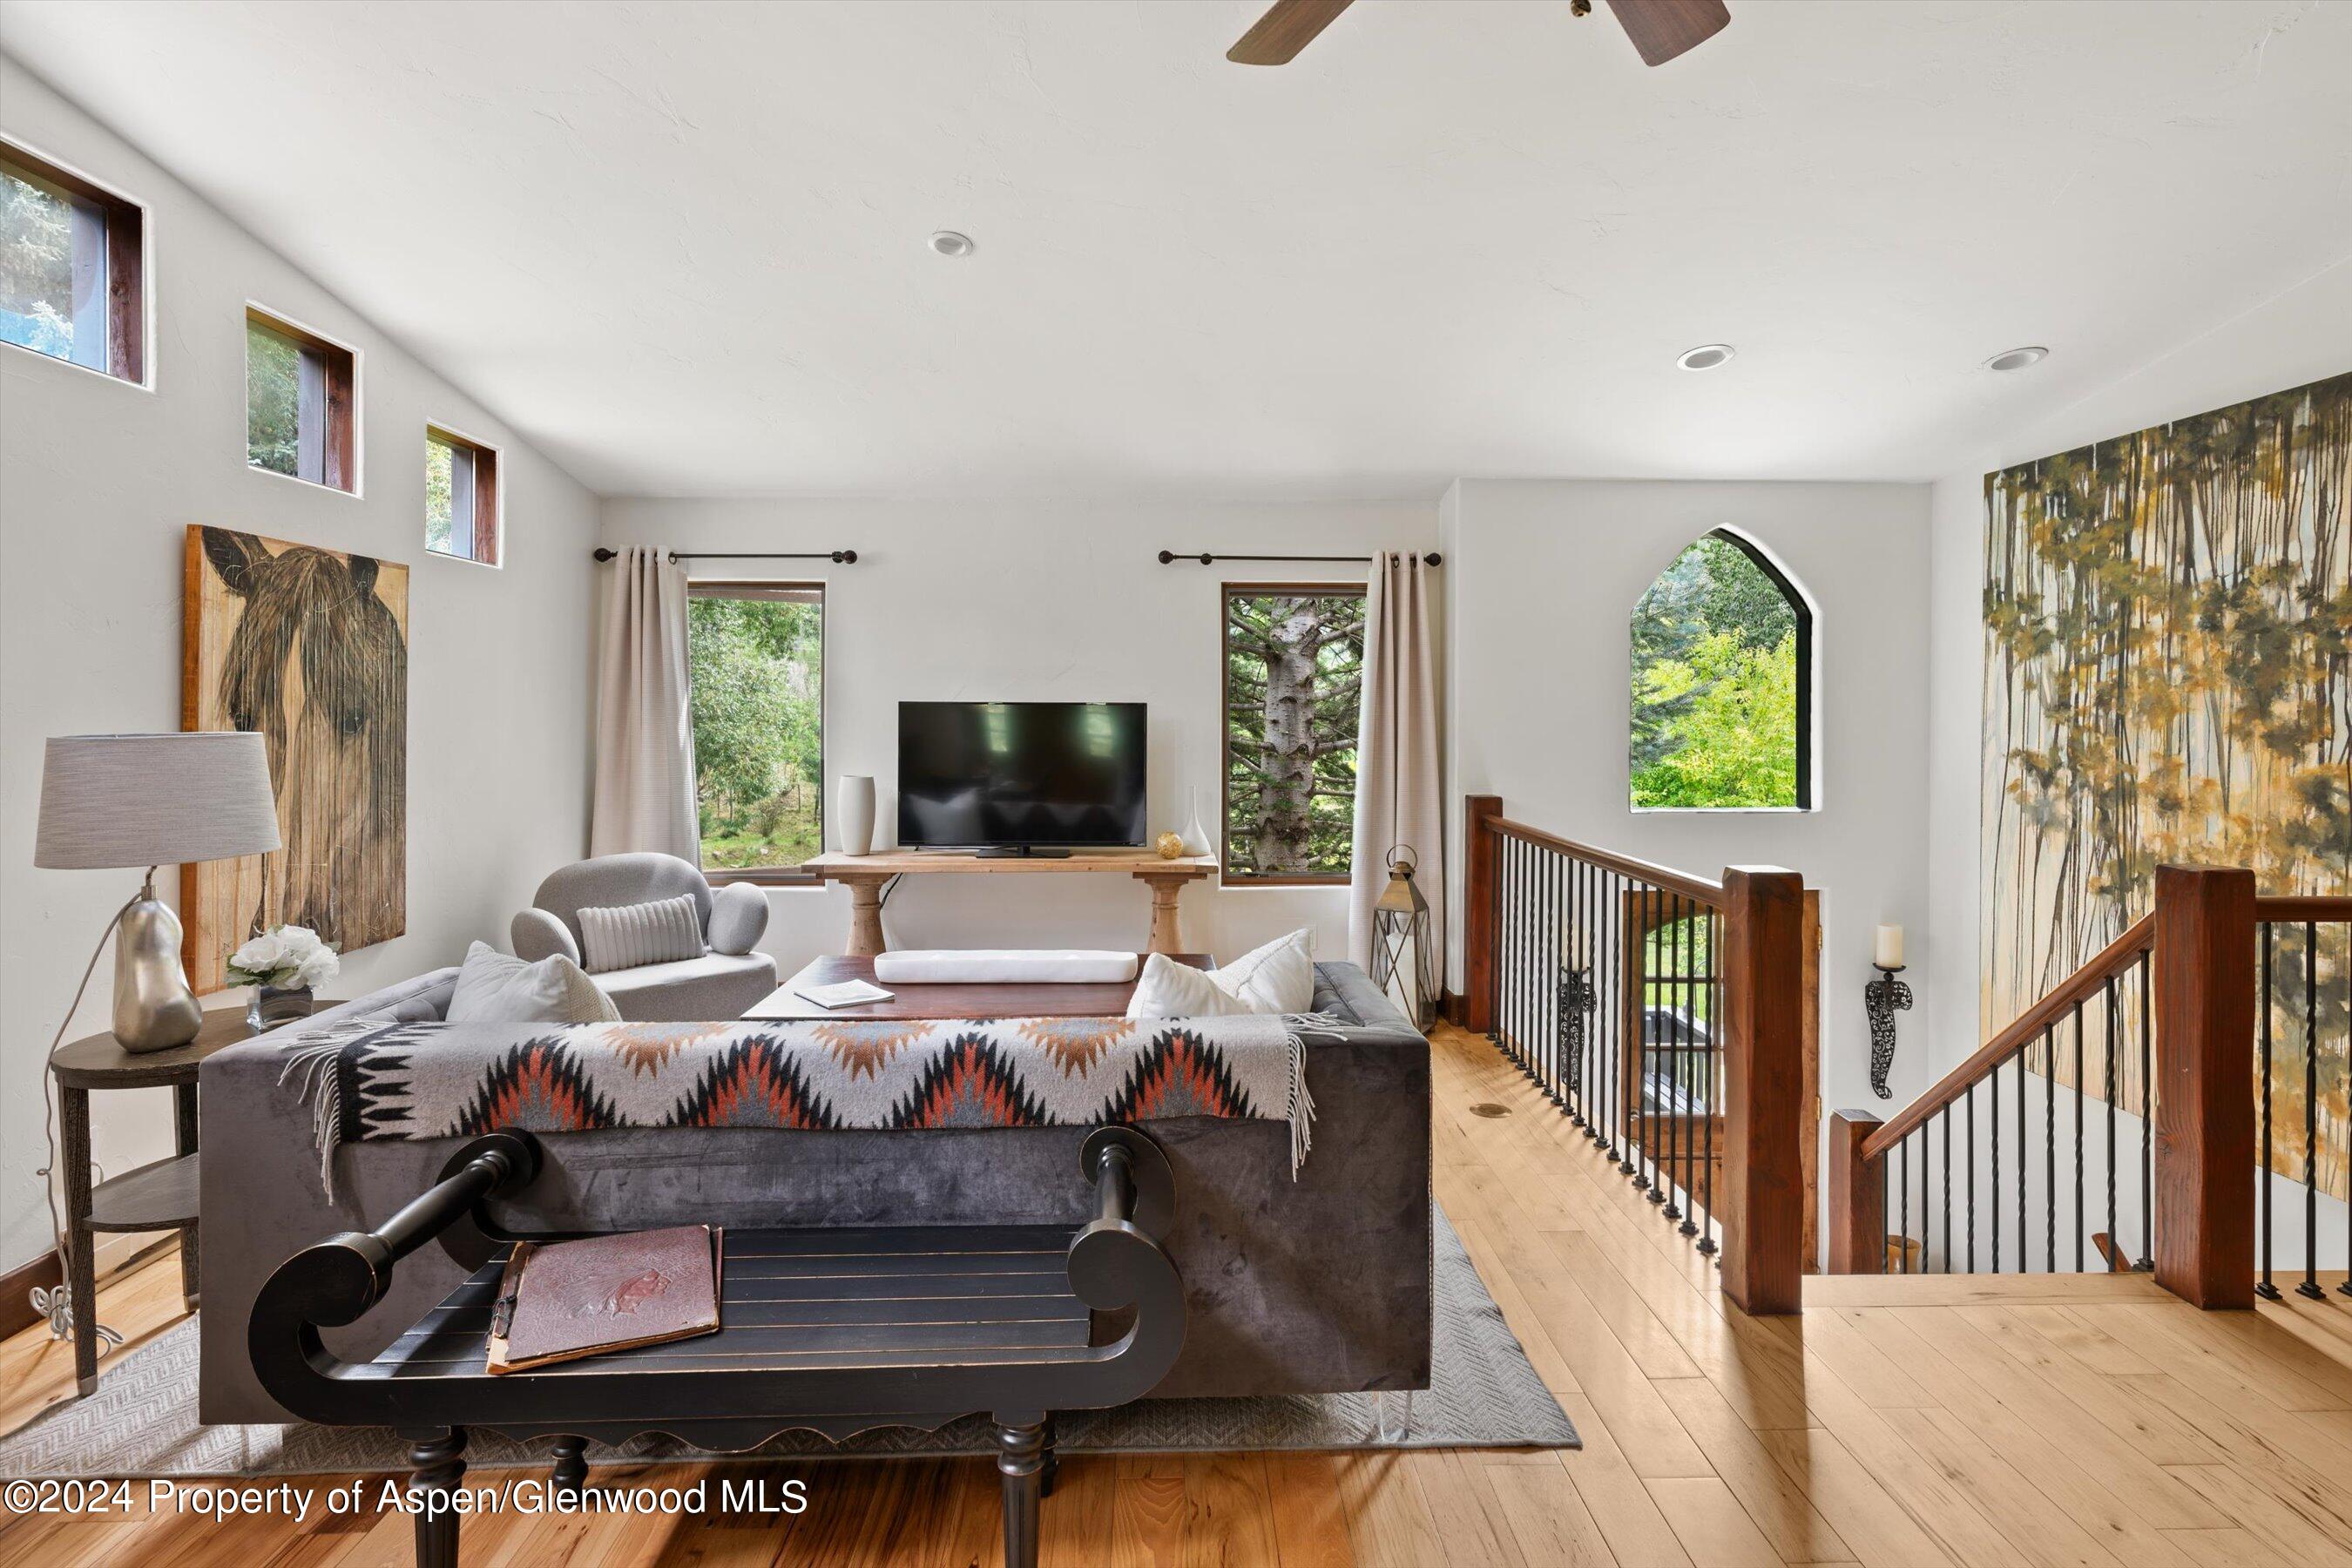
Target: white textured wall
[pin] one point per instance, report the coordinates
(1001, 600)
(98, 479)
(1544, 576)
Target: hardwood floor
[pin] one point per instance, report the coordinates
(2038, 1422)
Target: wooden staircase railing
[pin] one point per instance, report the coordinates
(1664, 1013)
(2165, 1020)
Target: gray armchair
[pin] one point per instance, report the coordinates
(729, 976)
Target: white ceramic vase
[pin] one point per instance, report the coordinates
(854, 802)
(1196, 835)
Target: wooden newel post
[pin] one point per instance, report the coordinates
(1481, 880)
(1764, 1120)
(1857, 1196)
(2204, 1177)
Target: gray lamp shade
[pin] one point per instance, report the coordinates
(155, 800)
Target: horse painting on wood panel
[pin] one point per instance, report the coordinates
(309, 648)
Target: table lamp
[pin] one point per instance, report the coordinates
(126, 801)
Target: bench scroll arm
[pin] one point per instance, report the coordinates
(1117, 1260)
(334, 1281)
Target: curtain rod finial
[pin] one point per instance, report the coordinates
(1167, 556)
(605, 552)
(1433, 559)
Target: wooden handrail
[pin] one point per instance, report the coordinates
(2138, 938)
(1666, 879)
(2301, 909)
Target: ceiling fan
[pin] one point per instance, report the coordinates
(1660, 29)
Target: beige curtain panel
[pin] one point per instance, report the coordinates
(1397, 786)
(645, 727)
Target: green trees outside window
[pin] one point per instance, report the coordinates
(1293, 683)
(755, 656)
(1722, 663)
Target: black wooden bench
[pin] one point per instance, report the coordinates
(833, 1331)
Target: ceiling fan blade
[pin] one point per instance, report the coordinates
(1284, 30)
(1661, 29)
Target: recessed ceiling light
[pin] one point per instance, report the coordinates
(1706, 356)
(947, 242)
(2017, 359)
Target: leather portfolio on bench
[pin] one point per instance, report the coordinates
(560, 1301)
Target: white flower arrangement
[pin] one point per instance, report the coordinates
(285, 958)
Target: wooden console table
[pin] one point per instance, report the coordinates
(864, 875)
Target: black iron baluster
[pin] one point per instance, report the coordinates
(1944, 1119)
(1992, 1192)
(1886, 1206)
(1495, 1022)
(2049, 1139)
(1504, 847)
(1623, 1014)
(1714, 1049)
(2310, 1286)
(1547, 970)
(2024, 1155)
(2114, 1021)
(1523, 1028)
(1639, 1022)
(1671, 1052)
(2146, 1121)
(1687, 1014)
(2268, 1288)
(1972, 1178)
(1903, 1236)
(2078, 1138)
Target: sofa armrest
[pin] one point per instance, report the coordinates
(538, 934)
(739, 917)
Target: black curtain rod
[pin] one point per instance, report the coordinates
(1170, 557)
(838, 557)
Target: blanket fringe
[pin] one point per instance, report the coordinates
(1301, 1109)
(311, 1065)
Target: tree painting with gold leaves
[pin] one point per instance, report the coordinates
(2168, 679)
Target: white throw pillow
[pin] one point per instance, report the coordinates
(630, 936)
(494, 987)
(1168, 989)
(1276, 978)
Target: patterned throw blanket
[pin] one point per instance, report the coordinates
(368, 1080)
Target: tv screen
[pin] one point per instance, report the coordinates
(999, 774)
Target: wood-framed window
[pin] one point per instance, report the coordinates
(301, 403)
(73, 268)
(755, 659)
(461, 497)
(1294, 667)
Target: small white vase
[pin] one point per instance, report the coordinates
(1196, 836)
(855, 801)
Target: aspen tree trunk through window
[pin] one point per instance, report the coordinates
(1294, 680)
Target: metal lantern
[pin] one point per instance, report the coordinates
(1404, 952)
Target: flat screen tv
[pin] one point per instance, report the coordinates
(1013, 776)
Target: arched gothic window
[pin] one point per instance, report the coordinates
(1723, 679)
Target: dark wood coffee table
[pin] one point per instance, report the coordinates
(1026, 1000)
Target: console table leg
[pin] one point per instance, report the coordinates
(437, 1463)
(570, 1472)
(1020, 1459)
(1166, 936)
(866, 938)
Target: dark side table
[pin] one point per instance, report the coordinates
(159, 1195)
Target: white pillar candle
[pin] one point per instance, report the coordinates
(1889, 948)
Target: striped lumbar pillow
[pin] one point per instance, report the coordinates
(627, 936)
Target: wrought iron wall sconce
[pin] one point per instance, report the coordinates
(1881, 999)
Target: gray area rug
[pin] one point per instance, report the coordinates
(141, 1422)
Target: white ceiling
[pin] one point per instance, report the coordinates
(682, 247)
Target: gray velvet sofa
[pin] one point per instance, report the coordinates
(722, 983)
(1316, 1285)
